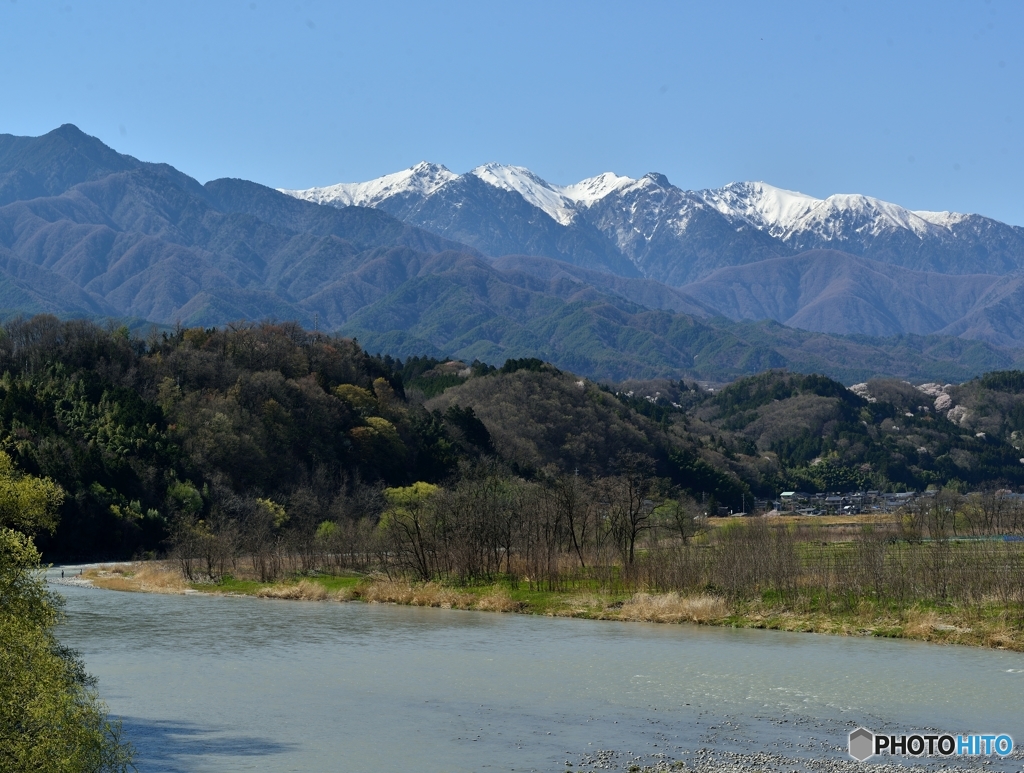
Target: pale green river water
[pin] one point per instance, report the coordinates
(206, 683)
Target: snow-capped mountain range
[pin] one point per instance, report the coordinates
(776, 210)
(657, 230)
(784, 213)
(560, 202)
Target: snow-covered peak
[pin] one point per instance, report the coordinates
(593, 189)
(763, 206)
(424, 178)
(559, 201)
(650, 184)
(540, 193)
(842, 211)
(783, 213)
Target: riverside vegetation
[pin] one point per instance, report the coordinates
(50, 716)
(266, 451)
(949, 568)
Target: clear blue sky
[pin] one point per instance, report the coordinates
(917, 103)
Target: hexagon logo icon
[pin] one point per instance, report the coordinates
(861, 744)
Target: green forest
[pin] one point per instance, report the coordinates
(148, 435)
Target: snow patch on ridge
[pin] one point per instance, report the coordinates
(763, 206)
(786, 213)
(593, 189)
(549, 198)
(424, 178)
(872, 215)
(941, 219)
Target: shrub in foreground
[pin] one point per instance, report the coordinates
(50, 717)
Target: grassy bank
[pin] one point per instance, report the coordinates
(989, 625)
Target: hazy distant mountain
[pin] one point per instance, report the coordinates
(669, 234)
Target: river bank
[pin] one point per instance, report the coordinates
(991, 626)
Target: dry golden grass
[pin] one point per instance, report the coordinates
(1003, 638)
(303, 590)
(920, 625)
(498, 600)
(584, 605)
(160, 576)
(673, 608)
(836, 525)
(110, 582)
(426, 595)
(959, 627)
(144, 577)
(930, 626)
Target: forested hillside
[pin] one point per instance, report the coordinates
(274, 424)
(824, 437)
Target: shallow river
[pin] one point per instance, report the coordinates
(206, 683)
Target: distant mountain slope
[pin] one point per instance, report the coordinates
(834, 292)
(670, 234)
(999, 320)
(31, 290)
(405, 303)
(471, 309)
(645, 292)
